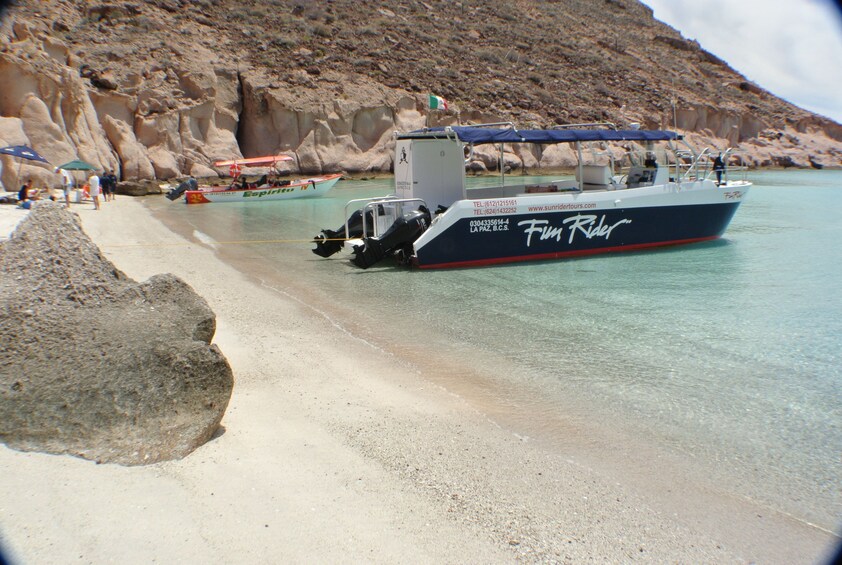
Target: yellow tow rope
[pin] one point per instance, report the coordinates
(242, 242)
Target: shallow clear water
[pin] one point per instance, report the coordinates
(726, 352)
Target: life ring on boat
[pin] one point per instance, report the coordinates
(234, 171)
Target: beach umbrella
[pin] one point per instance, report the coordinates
(77, 165)
(23, 152)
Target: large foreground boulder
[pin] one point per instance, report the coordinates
(94, 364)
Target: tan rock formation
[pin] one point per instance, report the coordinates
(133, 156)
(97, 365)
(157, 92)
(56, 116)
(353, 133)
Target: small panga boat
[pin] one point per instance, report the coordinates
(267, 187)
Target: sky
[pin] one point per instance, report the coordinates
(792, 48)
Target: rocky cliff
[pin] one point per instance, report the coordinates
(162, 88)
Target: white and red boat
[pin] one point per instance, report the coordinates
(268, 187)
(277, 190)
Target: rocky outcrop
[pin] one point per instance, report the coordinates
(352, 134)
(94, 364)
(139, 187)
(55, 114)
(158, 90)
(162, 125)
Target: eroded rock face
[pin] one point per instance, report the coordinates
(159, 90)
(97, 365)
(139, 187)
(332, 135)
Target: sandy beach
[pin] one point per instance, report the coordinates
(335, 450)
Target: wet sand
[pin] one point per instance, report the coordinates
(336, 450)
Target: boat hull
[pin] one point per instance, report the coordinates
(574, 226)
(309, 188)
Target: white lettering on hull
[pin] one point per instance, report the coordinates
(584, 224)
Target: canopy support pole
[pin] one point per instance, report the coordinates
(502, 167)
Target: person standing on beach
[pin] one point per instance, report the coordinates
(112, 185)
(104, 186)
(67, 185)
(93, 186)
(109, 190)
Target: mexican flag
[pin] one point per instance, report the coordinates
(437, 102)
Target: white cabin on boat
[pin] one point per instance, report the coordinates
(430, 165)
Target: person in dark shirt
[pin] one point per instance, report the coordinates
(718, 168)
(23, 193)
(26, 195)
(109, 186)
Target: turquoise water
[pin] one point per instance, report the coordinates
(724, 354)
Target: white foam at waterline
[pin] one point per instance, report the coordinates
(205, 238)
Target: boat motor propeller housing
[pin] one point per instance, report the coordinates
(400, 234)
(330, 241)
(189, 184)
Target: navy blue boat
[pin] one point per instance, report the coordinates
(432, 221)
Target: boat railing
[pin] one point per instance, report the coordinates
(493, 125)
(692, 166)
(688, 165)
(734, 172)
(730, 172)
(607, 125)
(384, 211)
(355, 205)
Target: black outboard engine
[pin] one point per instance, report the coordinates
(189, 184)
(398, 237)
(330, 241)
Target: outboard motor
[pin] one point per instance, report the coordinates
(400, 234)
(189, 184)
(330, 241)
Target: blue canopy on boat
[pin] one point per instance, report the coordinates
(480, 135)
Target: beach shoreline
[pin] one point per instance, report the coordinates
(333, 448)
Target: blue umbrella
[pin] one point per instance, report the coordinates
(24, 152)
